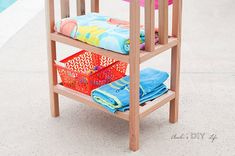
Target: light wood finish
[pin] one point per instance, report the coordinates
(134, 74)
(81, 7)
(51, 57)
(151, 106)
(163, 21)
(149, 25)
(144, 55)
(175, 60)
(86, 100)
(135, 58)
(64, 6)
(95, 6)
(78, 44)
(145, 110)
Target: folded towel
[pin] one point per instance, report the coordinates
(100, 31)
(156, 3)
(115, 96)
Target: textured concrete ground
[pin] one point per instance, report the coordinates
(206, 105)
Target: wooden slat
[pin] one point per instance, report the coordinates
(149, 25)
(163, 21)
(54, 101)
(64, 6)
(86, 100)
(134, 74)
(151, 106)
(175, 60)
(95, 5)
(81, 7)
(177, 19)
(144, 56)
(82, 45)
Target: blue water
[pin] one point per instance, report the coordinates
(5, 4)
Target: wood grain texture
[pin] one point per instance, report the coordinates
(163, 21)
(81, 7)
(86, 100)
(175, 60)
(64, 6)
(144, 55)
(149, 25)
(95, 6)
(75, 43)
(160, 48)
(151, 106)
(54, 101)
(134, 74)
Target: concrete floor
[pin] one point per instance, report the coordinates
(206, 104)
(21, 11)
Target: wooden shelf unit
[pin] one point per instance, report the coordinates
(135, 58)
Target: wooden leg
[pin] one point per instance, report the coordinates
(54, 105)
(53, 79)
(134, 75)
(175, 74)
(134, 108)
(134, 119)
(174, 106)
(175, 59)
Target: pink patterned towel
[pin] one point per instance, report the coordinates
(156, 2)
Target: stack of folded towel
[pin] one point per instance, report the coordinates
(100, 31)
(115, 96)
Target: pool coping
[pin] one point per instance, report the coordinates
(21, 11)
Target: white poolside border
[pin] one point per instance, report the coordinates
(16, 16)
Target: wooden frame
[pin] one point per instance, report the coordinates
(135, 58)
(163, 21)
(81, 7)
(64, 7)
(54, 100)
(95, 5)
(175, 59)
(134, 74)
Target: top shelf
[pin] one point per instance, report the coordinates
(144, 55)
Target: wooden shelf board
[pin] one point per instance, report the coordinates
(144, 55)
(83, 98)
(81, 45)
(151, 106)
(144, 110)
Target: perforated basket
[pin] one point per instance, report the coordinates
(74, 72)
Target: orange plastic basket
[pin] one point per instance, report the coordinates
(76, 72)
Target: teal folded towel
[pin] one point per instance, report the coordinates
(115, 96)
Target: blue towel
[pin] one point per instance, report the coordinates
(115, 96)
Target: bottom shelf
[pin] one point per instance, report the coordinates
(146, 109)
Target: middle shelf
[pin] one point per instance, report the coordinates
(144, 55)
(146, 109)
